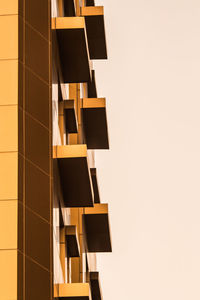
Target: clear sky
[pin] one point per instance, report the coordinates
(151, 175)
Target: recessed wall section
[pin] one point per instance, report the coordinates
(37, 144)
(37, 98)
(38, 282)
(37, 199)
(37, 53)
(37, 239)
(37, 15)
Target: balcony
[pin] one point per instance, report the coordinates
(72, 243)
(97, 229)
(94, 18)
(75, 178)
(73, 48)
(95, 286)
(95, 123)
(76, 291)
(93, 172)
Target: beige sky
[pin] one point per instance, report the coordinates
(151, 175)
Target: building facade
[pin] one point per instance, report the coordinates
(51, 121)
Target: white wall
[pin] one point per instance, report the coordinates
(151, 176)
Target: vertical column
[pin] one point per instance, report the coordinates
(9, 210)
(73, 94)
(35, 147)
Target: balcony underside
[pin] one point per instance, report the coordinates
(73, 49)
(97, 229)
(94, 19)
(95, 123)
(75, 176)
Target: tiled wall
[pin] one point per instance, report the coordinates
(8, 149)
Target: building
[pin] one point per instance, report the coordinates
(51, 121)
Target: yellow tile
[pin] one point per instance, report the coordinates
(9, 37)
(8, 274)
(56, 290)
(76, 290)
(8, 175)
(70, 23)
(8, 82)
(8, 7)
(8, 224)
(92, 11)
(8, 128)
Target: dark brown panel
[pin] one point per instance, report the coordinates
(20, 84)
(72, 242)
(75, 182)
(72, 246)
(37, 239)
(71, 124)
(20, 130)
(20, 7)
(37, 15)
(37, 198)
(73, 55)
(19, 276)
(20, 226)
(69, 8)
(95, 286)
(96, 37)
(95, 128)
(37, 55)
(37, 98)
(97, 231)
(57, 188)
(70, 121)
(21, 36)
(37, 144)
(20, 177)
(89, 2)
(38, 282)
